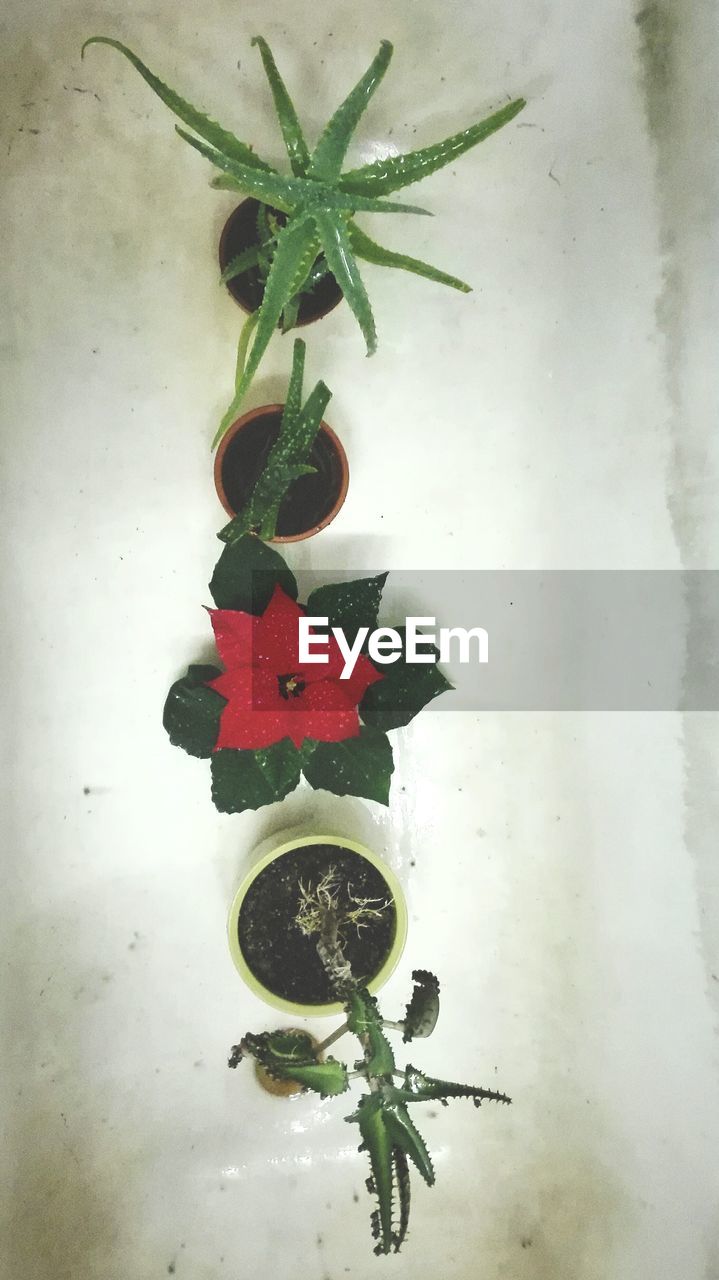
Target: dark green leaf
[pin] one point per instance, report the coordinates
(246, 575)
(286, 114)
(331, 149)
(191, 715)
(370, 251)
(341, 262)
(422, 1012)
(405, 689)
(349, 605)
(213, 133)
(360, 766)
(249, 779)
(296, 250)
(383, 176)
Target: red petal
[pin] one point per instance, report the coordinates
(255, 715)
(233, 636)
(364, 674)
(276, 635)
(327, 713)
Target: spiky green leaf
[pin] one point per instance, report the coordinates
(240, 263)
(293, 400)
(289, 123)
(341, 262)
(331, 149)
(404, 1133)
(394, 172)
(418, 1087)
(208, 129)
(298, 195)
(370, 251)
(364, 1020)
(378, 1145)
(296, 250)
(422, 1012)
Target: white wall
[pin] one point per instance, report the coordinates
(560, 868)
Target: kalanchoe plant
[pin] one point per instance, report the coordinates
(319, 201)
(269, 718)
(388, 1132)
(287, 460)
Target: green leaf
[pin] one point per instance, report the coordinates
(296, 250)
(246, 575)
(293, 195)
(331, 149)
(341, 262)
(249, 779)
(383, 176)
(191, 715)
(378, 1145)
(291, 129)
(370, 251)
(364, 1020)
(293, 400)
(241, 263)
(290, 312)
(404, 1133)
(421, 1088)
(349, 605)
(208, 129)
(405, 689)
(326, 1078)
(422, 1012)
(360, 766)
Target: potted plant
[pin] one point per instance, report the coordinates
(277, 957)
(281, 471)
(270, 717)
(310, 228)
(388, 1132)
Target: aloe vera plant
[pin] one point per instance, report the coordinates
(318, 201)
(287, 460)
(388, 1132)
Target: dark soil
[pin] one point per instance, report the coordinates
(282, 958)
(310, 498)
(239, 233)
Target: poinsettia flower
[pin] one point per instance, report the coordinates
(271, 694)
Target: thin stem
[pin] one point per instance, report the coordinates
(331, 1039)
(393, 1026)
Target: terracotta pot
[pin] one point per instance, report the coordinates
(238, 233)
(312, 501)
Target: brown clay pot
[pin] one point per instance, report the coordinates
(239, 232)
(312, 501)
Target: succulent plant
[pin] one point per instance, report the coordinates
(389, 1135)
(318, 202)
(287, 459)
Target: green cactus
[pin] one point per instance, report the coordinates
(287, 458)
(389, 1135)
(319, 201)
